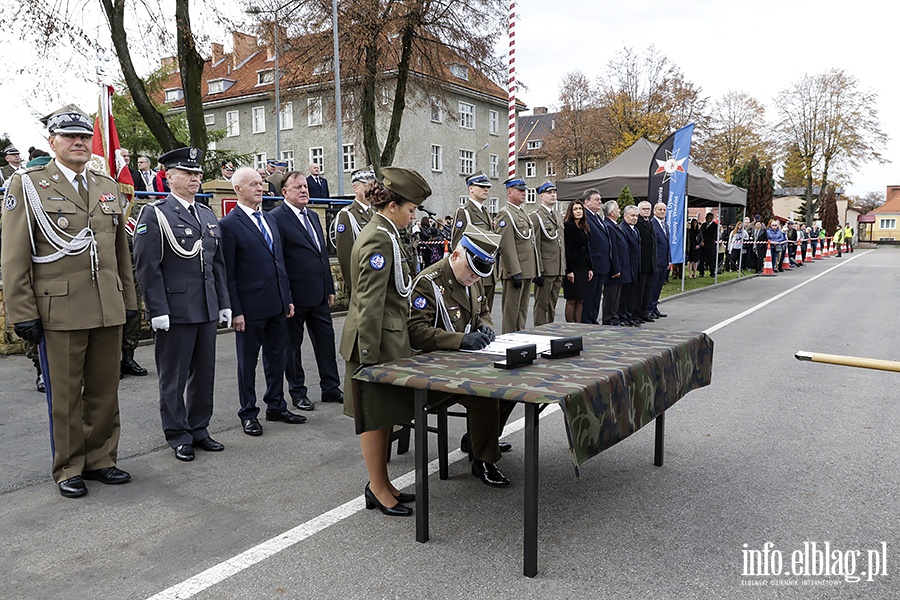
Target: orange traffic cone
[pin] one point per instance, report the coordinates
(808, 251)
(767, 265)
(798, 258)
(786, 261)
(831, 251)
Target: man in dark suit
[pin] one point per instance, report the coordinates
(312, 288)
(318, 185)
(139, 185)
(260, 300)
(709, 251)
(600, 255)
(618, 250)
(648, 268)
(631, 266)
(663, 258)
(181, 270)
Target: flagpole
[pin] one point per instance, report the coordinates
(684, 260)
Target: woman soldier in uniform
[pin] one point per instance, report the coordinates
(376, 331)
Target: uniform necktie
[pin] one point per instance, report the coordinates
(265, 233)
(193, 212)
(82, 188)
(309, 228)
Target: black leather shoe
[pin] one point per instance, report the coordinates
(505, 447)
(303, 403)
(39, 383)
(649, 317)
(285, 416)
(72, 487)
(398, 510)
(659, 314)
(489, 474)
(130, 367)
(109, 475)
(333, 396)
(405, 498)
(184, 452)
(209, 444)
(252, 427)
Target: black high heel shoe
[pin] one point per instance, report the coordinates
(398, 510)
(405, 498)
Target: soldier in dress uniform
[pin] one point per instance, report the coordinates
(519, 259)
(181, 269)
(449, 311)
(351, 219)
(68, 285)
(474, 212)
(13, 160)
(131, 332)
(549, 231)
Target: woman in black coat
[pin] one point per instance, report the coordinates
(578, 260)
(694, 240)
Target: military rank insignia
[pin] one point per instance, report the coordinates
(107, 197)
(376, 261)
(420, 302)
(340, 228)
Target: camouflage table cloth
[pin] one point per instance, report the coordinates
(622, 380)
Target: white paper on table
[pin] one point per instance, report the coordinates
(510, 340)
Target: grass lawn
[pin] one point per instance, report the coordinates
(673, 286)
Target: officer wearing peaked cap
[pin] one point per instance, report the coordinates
(550, 242)
(519, 259)
(474, 212)
(13, 162)
(181, 269)
(351, 219)
(449, 311)
(68, 284)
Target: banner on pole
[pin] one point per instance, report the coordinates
(106, 149)
(668, 182)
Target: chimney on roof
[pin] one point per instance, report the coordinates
(244, 46)
(540, 110)
(169, 63)
(218, 52)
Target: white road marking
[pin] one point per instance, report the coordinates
(753, 309)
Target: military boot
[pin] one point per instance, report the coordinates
(130, 366)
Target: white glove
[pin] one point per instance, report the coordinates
(225, 316)
(157, 323)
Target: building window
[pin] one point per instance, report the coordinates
(314, 111)
(494, 166)
(437, 158)
(534, 144)
(265, 77)
(551, 170)
(530, 169)
(887, 224)
(466, 162)
(463, 200)
(493, 205)
(317, 155)
(437, 113)
(530, 196)
(232, 124)
(288, 157)
(259, 160)
(209, 119)
(174, 95)
(286, 116)
(258, 119)
(216, 87)
(466, 115)
(349, 158)
(460, 71)
(385, 95)
(494, 122)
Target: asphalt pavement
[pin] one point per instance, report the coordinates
(763, 468)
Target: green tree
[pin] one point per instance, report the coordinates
(759, 182)
(625, 199)
(579, 138)
(793, 172)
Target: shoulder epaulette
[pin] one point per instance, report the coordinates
(31, 169)
(155, 202)
(101, 174)
(203, 206)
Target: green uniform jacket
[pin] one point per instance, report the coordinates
(551, 241)
(62, 293)
(518, 253)
(471, 214)
(375, 330)
(344, 235)
(427, 330)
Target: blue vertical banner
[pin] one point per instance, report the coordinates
(668, 183)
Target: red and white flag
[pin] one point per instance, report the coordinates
(107, 151)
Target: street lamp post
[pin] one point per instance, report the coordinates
(338, 112)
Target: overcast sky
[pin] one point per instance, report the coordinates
(759, 47)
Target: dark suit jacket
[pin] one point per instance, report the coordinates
(618, 251)
(139, 185)
(631, 262)
(601, 248)
(663, 252)
(308, 268)
(648, 245)
(173, 285)
(257, 280)
(315, 189)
